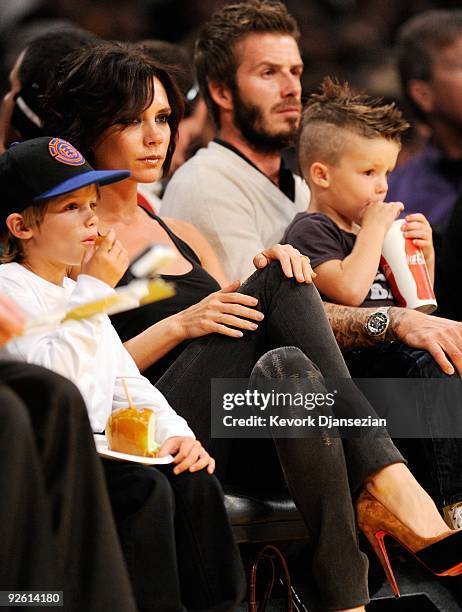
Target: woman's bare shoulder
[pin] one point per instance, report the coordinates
(200, 245)
(187, 232)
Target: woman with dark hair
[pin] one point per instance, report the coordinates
(116, 105)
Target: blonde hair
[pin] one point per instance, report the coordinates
(12, 247)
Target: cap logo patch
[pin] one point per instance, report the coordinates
(65, 153)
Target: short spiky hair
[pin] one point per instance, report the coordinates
(215, 55)
(334, 112)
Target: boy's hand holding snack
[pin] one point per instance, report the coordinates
(381, 214)
(348, 281)
(108, 261)
(419, 230)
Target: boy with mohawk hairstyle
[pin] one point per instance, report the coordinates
(348, 145)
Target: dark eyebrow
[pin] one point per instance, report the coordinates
(273, 65)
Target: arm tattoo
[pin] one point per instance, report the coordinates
(348, 322)
(396, 315)
(348, 325)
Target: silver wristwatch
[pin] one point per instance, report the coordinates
(377, 323)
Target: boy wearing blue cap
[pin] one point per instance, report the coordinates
(49, 197)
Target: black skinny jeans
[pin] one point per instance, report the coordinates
(294, 316)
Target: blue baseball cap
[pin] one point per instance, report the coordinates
(43, 168)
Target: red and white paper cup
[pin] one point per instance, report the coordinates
(406, 271)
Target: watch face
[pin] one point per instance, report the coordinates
(377, 323)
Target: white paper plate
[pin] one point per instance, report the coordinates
(101, 447)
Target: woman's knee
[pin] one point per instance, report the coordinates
(287, 362)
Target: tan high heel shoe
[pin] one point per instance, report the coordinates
(441, 555)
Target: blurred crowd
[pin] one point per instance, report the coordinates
(350, 39)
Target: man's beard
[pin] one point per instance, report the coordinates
(249, 120)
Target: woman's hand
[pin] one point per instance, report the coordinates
(293, 263)
(419, 230)
(107, 262)
(188, 454)
(220, 313)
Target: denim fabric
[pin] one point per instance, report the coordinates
(320, 473)
(437, 462)
(323, 474)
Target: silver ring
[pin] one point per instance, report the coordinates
(306, 257)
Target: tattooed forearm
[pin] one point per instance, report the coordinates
(394, 329)
(348, 325)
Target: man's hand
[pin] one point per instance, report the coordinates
(442, 338)
(107, 262)
(293, 263)
(188, 454)
(11, 320)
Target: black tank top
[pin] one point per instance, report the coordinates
(190, 288)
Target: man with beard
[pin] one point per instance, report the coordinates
(238, 191)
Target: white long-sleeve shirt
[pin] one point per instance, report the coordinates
(88, 352)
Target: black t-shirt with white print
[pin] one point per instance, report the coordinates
(316, 235)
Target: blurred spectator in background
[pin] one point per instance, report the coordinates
(20, 113)
(334, 33)
(124, 19)
(430, 66)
